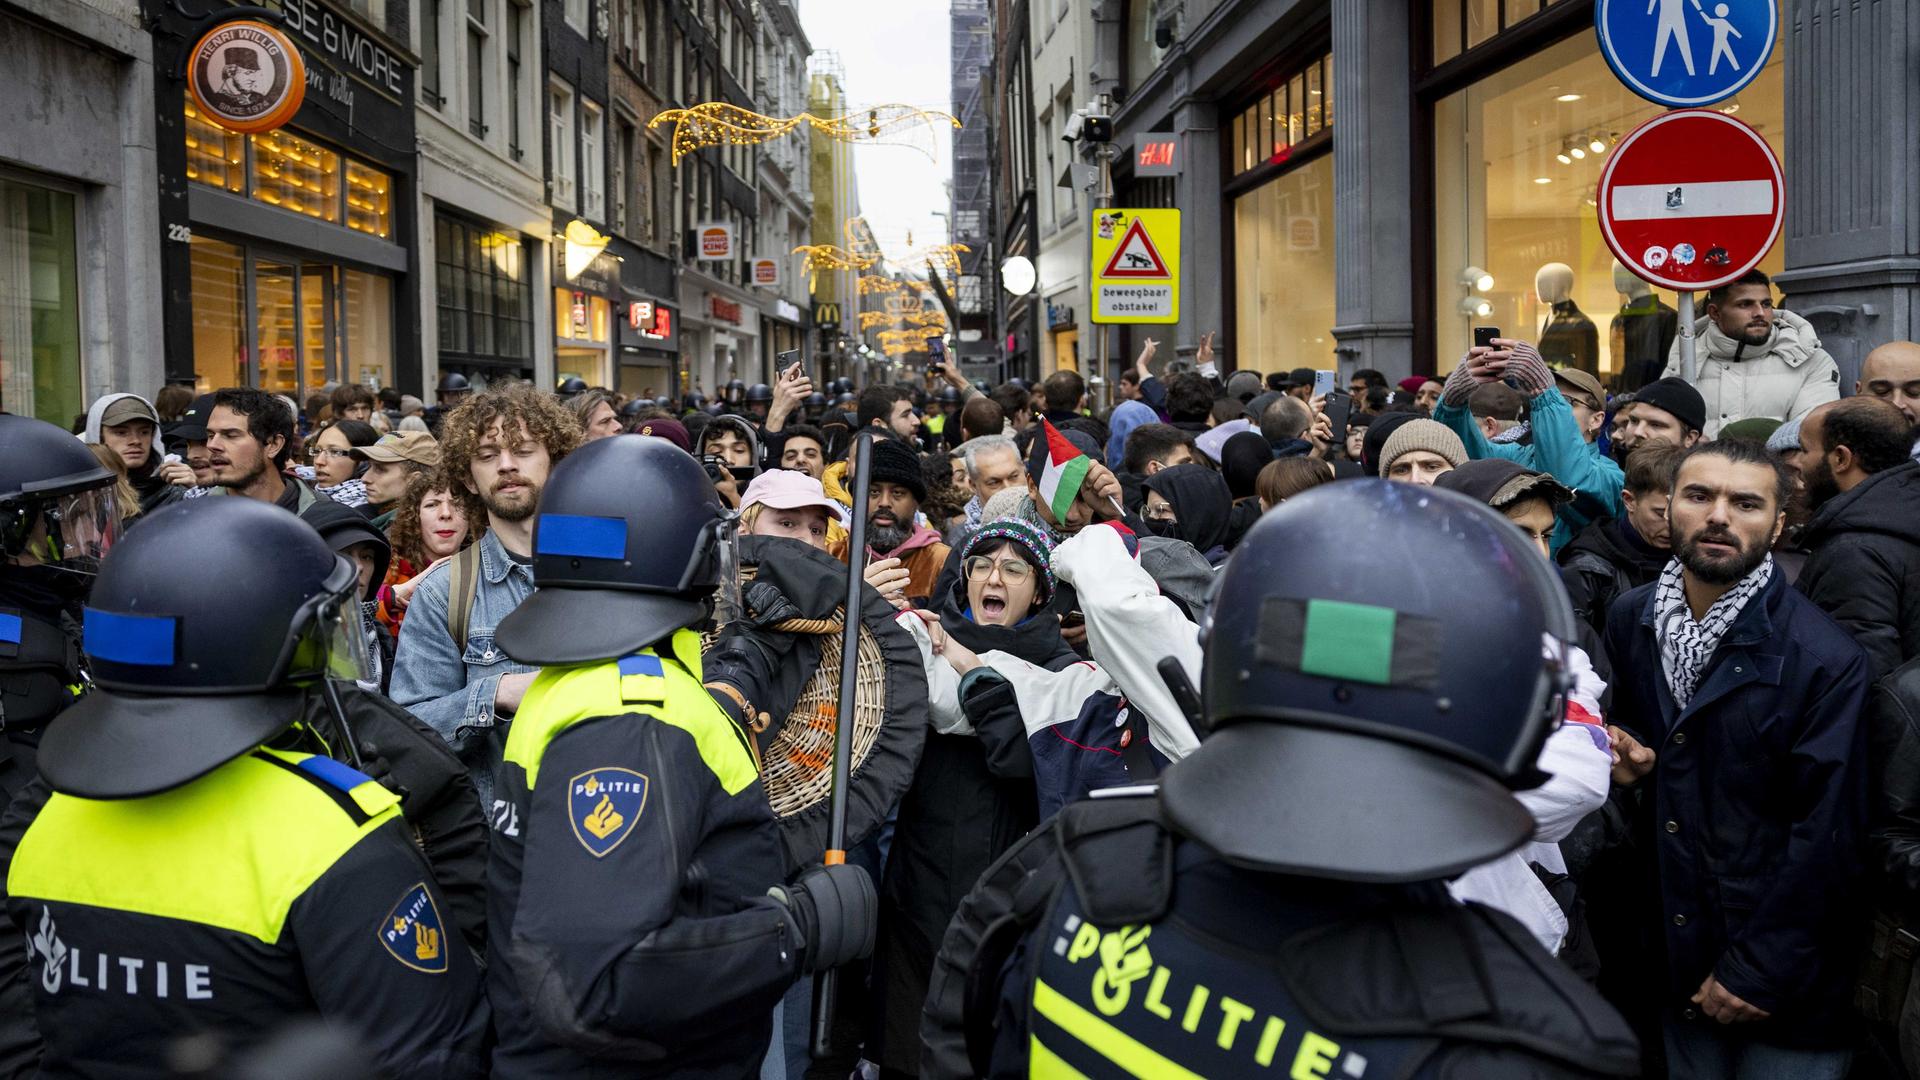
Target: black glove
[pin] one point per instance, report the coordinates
(836, 912)
(767, 606)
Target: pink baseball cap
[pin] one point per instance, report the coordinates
(785, 489)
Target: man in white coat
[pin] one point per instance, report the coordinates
(1756, 360)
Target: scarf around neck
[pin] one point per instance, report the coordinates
(1686, 645)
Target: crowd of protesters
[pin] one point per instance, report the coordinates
(1728, 824)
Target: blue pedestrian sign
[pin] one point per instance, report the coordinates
(1683, 53)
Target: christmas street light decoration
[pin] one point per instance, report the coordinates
(871, 319)
(874, 283)
(720, 123)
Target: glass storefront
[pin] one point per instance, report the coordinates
(583, 323)
(1283, 228)
(39, 303)
(311, 322)
(291, 173)
(1517, 239)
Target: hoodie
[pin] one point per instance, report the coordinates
(740, 426)
(1783, 378)
(153, 491)
(1202, 508)
(923, 554)
(1604, 561)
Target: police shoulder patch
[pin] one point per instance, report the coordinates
(412, 932)
(603, 805)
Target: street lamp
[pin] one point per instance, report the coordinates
(1017, 275)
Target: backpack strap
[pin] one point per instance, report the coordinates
(463, 585)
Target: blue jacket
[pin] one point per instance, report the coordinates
(1559, 450)
(451, 690)
(1755, 811)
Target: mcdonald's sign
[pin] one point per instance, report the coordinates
(826, 314)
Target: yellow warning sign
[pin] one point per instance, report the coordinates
(1136, 266)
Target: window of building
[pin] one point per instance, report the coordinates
(576, 15)
(516, 39)
(478, 64)
(40, 372)
(375, 11)
(622, 164)
(593, 166)
(1459, 25)
(1271, 129)
(430, 54)
(560, 135)
(1283, 259)
(483, 291)
(1517, 161)
(282, 169)
(1143, 50)
(218, 271)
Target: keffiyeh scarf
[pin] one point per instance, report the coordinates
(1686, 645)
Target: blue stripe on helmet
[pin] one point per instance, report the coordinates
(581, 537)
(146, 640)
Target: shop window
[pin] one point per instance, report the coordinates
(1518, 157)
(482, 291)
(1269, 130)
(39, 303)
(1283, 258)
(282, 169)
(1464, 24)
(369, 200)
(367, 305)
(219, 314)
(215, 156)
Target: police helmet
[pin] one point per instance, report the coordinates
(948, 396)
(49, 477)
(572, 386)
(816, 400)
(190, 670)
(759, 392)
(844, 399)
(626, 550)
(663, 401)
(453, 382)
(634, 407)
(843, 385)
(1365, 727)
(734, 389)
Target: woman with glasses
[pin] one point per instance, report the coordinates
(335, 472)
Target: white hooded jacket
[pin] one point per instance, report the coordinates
(1783, 379)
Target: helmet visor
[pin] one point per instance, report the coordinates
(81, 528)
(349, 657)
(333, 637)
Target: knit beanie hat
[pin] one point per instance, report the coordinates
(1785, 437)
(1678, 397)
(894, 463)
(1753, 429)
(1429, 435)
(1032, 543)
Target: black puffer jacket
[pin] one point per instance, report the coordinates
(972, 798)
(1863, 566)
(1604, 561)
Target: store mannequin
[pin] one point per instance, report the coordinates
(1642, 333)
(1569, 338)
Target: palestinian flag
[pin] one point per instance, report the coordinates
(1059, 469)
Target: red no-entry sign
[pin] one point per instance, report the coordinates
(1691, 199)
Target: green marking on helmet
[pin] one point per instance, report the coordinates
(1349, 641)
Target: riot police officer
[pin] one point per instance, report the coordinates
(573, 386)
(58, 516)
(1277, 907)
(188, 866)
(758, 402)
(634, 850)
(815, 406)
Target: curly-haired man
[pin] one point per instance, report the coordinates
(496, 452)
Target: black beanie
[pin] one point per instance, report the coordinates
(894, 463)
(1678, 397)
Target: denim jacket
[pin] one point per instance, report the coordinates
(452, 691)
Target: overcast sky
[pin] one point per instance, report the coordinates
(893, 51)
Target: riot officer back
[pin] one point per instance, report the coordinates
(1277, 906)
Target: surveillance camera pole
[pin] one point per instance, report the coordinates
(1103, 154)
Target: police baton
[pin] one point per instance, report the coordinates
(824, 983)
